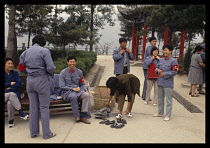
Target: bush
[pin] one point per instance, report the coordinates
(85, 60)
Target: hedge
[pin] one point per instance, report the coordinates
(85, 59)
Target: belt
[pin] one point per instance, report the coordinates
(37, 73)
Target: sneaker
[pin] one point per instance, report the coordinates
(25, 117)
(145, 102)
(155, 104)
(130, 115)
(11, 125)
(157, 115)
(119, 116)
(166, 119)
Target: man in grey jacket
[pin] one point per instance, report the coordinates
(122, 56)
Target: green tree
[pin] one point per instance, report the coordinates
(95, 17)
(32, 19)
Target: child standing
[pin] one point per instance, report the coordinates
(151, 62)
(166, 68)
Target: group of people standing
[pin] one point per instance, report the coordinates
(158, 72)
(37, 63)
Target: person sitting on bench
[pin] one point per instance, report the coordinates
(12, 82)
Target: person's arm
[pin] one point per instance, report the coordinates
(202, 64)
(130, 54)
(148, 60)
(117, 55)
(49, 63)
(173, 71)
(18, 81)
(62, 82)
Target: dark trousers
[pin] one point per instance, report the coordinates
(145, 85)
(125, 71)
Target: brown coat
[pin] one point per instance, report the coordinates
(128, 84)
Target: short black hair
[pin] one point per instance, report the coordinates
(152, 38)
(122, 40)
(39, 39)
(71, 57)
(8, 59)
(153, 49)
(170, 47)
(197, 48)
(112, 84)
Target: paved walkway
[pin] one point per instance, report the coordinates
(184, 126)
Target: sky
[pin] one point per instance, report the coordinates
(109, 34)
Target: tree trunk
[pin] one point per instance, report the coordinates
(91, 27)
(29, 33)
(11, 41)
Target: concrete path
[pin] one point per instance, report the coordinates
(184, 126)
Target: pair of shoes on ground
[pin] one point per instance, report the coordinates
(120, 116)
(159, 115)
(154, 104)
(53, 135)
(84, 120)
(119, 124)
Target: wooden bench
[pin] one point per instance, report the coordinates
(55, 105)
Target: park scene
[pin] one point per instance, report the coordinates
(97, 73)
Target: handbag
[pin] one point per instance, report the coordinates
(151, 71)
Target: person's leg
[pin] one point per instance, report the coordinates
(131, 103)
(161, 95)
(168, 93)
(12, 97)
(148, 91)
(72, 97)
(85, 97)
(193, 89)
(155, 93)
(42, 87)
(34, 113)
(121, 103)
(145, 85)
(11, 111)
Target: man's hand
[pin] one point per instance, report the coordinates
(160, 72)
(12, 83)
(122, 50)
(128, 50)
(76, 89)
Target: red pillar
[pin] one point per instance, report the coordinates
(133, 38)
(183, 33)
(144, 42)
(137, 48)
(166, 35)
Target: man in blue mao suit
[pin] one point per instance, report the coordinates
(122, 56)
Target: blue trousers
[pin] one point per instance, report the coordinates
(162, 93)
(38, 88)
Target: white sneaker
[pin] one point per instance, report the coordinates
(11, 125)
(25, 118)
(145, 102)
(155, 104)
(166, 119)
(119, 116)
(157, 115)
(130, 115)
